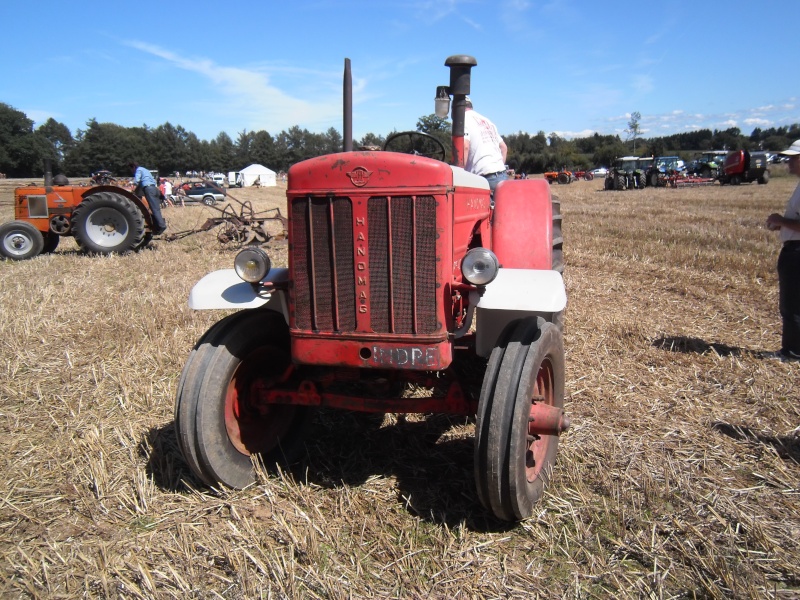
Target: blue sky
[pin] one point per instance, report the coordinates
(567, 66)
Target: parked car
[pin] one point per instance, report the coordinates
(204, 192)
(599, 172)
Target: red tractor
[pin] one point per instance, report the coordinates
(103, 219)
(401, 270)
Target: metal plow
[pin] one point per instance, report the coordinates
(243, 228)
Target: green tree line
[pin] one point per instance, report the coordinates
(171, 148)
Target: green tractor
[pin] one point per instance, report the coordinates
(626, 173)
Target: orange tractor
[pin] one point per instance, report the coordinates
(565, 176)
(103, 219)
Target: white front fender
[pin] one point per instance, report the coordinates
(514, 294)
(225, 289)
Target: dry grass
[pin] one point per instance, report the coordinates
(680, 477)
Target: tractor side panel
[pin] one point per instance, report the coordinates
(523, 224)
(37, 205)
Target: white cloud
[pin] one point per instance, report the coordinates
(250, 94)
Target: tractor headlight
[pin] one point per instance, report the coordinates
(480, 266)
(252, 264)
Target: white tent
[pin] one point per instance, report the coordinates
(257, 175)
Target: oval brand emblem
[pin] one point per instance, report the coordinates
(359, 176)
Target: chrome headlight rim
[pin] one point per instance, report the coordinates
(252, 264)
(480, 266)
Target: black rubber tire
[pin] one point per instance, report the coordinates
(209, 200)
(641, 181)
(563, 178)
(231, 356)
(530, 353)
(619, 182)
(736, 179)
(108, 222)
(654, 179)
(50, 243)
(19, 240)
(608, 184)
(188, 387)
(148, 237)
(764, 179)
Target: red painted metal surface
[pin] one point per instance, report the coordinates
(307, 394)
(376, 242)
(523, 224)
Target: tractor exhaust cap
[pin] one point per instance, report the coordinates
(460, 69)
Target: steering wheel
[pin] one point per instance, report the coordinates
(417, 143)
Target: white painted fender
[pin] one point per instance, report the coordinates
(514, 294)
(225, 289)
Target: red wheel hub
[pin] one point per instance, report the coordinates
(538, 442)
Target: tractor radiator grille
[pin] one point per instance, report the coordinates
(400, 266)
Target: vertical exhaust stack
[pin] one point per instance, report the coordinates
(347, 109)
(48, 175)
(48, 172)
(460, 71)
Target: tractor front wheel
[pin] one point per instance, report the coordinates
(520, 416)
(219, 420)
(108, 222)
(20, 240)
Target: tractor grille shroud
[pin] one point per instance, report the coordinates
(400, 264)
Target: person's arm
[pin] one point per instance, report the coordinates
(776, 221)
(503, 150)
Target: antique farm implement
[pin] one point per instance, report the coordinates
(241, 226)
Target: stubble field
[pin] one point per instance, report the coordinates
(680, 476)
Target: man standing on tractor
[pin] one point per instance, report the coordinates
(146, 185)
(789, 263)
(484, 149)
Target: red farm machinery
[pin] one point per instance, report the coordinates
(401, 271)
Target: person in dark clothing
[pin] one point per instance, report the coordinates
(789, 263)
(146, 185)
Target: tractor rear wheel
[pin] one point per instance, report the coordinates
(108, 222)
(19, 240)
(219, 420)
(619, 182)
(654, 179)
(563, 178)
(513, 455)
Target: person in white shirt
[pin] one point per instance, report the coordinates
(789, 263)
(484, 149)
